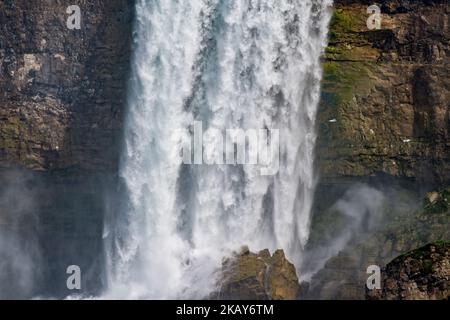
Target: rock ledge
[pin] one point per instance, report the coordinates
(262, 276)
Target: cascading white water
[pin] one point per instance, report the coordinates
(249, 64)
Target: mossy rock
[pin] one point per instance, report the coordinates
(344, 23)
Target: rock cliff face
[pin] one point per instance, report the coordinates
(61, 109)
(386, 93)
(62, 90)
(422, 274)
(250, 276)
(383, 120)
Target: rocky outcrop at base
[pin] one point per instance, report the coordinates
(422, 274)
(250, 276)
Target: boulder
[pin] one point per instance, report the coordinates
(422, 274)
(261, 276)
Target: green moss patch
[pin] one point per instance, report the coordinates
(342, 80)
(341, 21)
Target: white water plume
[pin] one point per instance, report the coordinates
(249, 64)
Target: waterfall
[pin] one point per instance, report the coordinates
(250, 65)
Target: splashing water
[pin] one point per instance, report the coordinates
(250, 64)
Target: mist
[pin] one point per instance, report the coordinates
(361, 212)
(20, 254)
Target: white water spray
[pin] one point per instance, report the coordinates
(248, 64)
